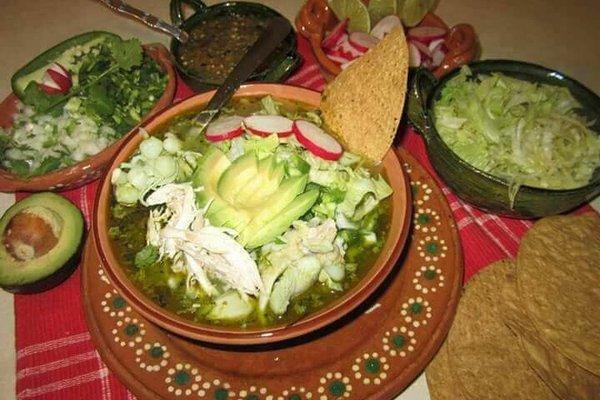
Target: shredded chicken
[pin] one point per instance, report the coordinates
(180, 227)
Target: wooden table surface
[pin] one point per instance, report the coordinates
(560, 34)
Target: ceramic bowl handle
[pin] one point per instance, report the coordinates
(421, 85)
(176, 9)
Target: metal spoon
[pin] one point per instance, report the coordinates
(275, 33)
(153, 22)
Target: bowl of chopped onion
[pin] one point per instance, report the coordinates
(69, 140)
(509, 137)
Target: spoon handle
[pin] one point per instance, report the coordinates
(275, 33)
(152, 21)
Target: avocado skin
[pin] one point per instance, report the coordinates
(50, 281)
(57, 265)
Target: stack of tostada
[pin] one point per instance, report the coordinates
(529, 329)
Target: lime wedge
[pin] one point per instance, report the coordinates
(381, 8)
(414, 11)
(355, 11)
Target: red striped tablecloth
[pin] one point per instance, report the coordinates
(55, 356)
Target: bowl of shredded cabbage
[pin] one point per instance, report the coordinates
(509, 137)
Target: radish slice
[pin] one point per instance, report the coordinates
(224, 128)
(348, 50)
(317, 141)
(362, 41)
(335, 35)
(346, 64)
(426, 34)
(56, 80)
(336, 58)
(385, 26)
(414, 55)
(48, 86)
(437, 57)
(424, 50)
(60, 76)
(265, 125)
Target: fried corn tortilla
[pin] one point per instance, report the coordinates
(559, 285)
(483, 352)
(564, 377)
(364, 104)
(440, 380)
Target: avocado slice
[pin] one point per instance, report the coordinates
(241, 173)
(278, 201)
(268, 178)
(207, 174)
(209, 171)
(265, 233)
(40, 243)
(221, 213)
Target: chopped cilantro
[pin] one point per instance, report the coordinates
(146, 257)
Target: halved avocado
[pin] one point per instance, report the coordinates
(40, 243)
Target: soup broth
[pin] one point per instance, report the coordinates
(172, 291)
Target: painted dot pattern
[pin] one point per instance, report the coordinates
(372, 368)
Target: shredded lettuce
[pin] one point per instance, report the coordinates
(523, 132)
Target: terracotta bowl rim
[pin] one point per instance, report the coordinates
(71, 176)
(396, 239)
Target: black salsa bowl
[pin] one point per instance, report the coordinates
(276, 68)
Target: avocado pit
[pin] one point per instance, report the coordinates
(31, 233)
(40, 242)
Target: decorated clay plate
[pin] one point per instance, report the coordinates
(372, 353)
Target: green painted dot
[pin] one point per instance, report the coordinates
(221, 394)
(156, 352)
(252, 396)
(294, 396)
(430, 274)
(414, 189)
(337, 388)
(182, 377)
(119, 302)
(398, 341)
(131, 329)
(422, 219)
(416, 308)
(372, 365)
(431, 248)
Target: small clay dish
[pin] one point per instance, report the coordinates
(480, 188)
(316, 19)
(381, 268)
(91, 168)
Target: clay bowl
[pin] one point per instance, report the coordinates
(315, 19)
(90, 168)
(399, 226)
(482, 189)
